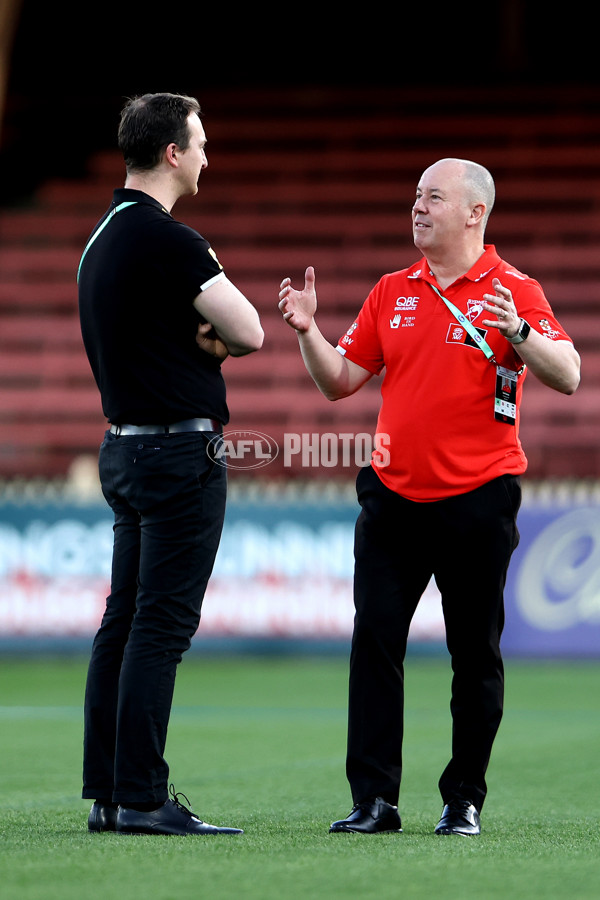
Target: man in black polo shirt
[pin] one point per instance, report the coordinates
(158, 316)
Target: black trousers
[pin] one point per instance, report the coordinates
(168, 500)
(466, 543)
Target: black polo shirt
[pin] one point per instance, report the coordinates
(138, 279)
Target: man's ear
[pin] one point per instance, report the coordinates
(477, 214)
(172, 154)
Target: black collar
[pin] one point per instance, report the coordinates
(128, 195)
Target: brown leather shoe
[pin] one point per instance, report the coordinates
(459, 817)
(370, 817)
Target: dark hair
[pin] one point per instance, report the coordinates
(150, 123)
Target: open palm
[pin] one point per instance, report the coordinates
(299, 307)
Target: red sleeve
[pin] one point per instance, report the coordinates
(361, 344)
(532, 305)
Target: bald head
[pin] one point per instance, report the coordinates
(477, 182)
(449, 216)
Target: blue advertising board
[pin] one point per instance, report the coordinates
(553, 588)
(284, 570)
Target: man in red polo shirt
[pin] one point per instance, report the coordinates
(454, 336)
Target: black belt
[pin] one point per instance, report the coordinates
(173, 428)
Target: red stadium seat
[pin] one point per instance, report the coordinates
(336, 194)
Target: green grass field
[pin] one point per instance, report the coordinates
(259, 742)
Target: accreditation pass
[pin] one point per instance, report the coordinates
(505, 399)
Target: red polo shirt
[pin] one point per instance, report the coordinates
(438, 387)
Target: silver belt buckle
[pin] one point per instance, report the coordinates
(185, 426)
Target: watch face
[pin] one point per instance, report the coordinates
(523, 331)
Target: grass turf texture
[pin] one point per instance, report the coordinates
(259, 743)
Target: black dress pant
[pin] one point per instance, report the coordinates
(465, 542)
(168, 500)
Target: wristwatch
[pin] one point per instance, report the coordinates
(522, 333)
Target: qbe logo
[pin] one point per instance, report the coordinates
(243, 449)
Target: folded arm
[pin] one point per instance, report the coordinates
(234, 323)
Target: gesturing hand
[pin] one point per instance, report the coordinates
(299, 307)
(502, 305)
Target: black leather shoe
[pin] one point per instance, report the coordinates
(170, 818)
(102, 817)
(459, 817)
(370, 817)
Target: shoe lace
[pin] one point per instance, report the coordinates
(459, 804)
(175, 797)
(366, 804)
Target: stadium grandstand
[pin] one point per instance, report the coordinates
(299, 175)
(313, 185)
